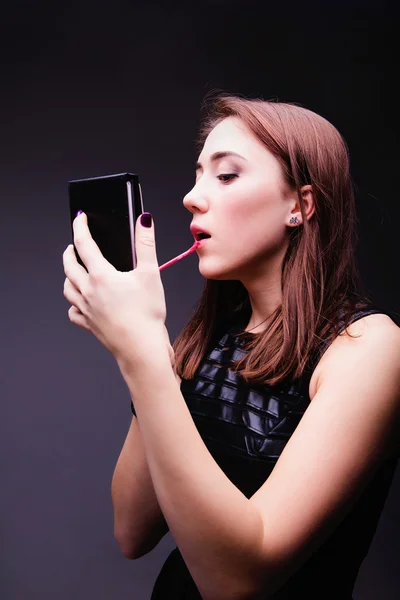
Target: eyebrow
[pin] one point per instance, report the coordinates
(218, 155)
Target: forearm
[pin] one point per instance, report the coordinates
(138, 521)
(216, 528)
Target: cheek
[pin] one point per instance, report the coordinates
(242, 206)
(255, 218)
(249, 208)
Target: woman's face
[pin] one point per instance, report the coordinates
(242, 202)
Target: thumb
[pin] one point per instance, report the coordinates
(145, 243)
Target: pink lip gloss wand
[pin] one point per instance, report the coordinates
(180, 256)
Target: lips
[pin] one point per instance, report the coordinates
(199, 234)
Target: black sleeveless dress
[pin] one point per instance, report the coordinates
(245, 428)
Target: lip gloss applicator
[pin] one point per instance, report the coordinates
(180, 256)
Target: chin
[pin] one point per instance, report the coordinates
(217, 274)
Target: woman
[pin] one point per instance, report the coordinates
(271, 465)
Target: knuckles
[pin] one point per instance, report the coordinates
(66, 287)
(96, 276)
(147, 241)
(79, 240)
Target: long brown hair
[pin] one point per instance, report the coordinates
(319, 273)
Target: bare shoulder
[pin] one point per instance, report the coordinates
(346, 433)
(375, 322)
(370, 334)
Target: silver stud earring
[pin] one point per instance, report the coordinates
(294, 220)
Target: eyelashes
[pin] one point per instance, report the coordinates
(227, 177)
(224, 177)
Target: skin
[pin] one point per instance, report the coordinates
(234, 546)
(126, 311)
(246, 206)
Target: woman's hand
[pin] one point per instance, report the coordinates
(125, 311)
(170, 350)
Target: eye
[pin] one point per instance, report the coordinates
(227, 177)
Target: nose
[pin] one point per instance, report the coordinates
(195, 200)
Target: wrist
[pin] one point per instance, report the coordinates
(152, 354)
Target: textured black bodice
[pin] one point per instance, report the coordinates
(245, 428)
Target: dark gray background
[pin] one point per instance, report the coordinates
(92, 88)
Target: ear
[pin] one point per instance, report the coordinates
(308, 202)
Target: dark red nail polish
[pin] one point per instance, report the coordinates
(146, 219)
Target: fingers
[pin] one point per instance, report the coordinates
(76, 274)
(77, 318)
(74, 297)
(76, 311)
(145, 244)
(87, 248)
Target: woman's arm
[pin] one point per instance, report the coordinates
(236, 547)
(215, 527)
(138, 521)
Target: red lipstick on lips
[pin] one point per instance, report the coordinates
(197, 233)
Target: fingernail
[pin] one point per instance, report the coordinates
(146, 219)
(78, 213)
